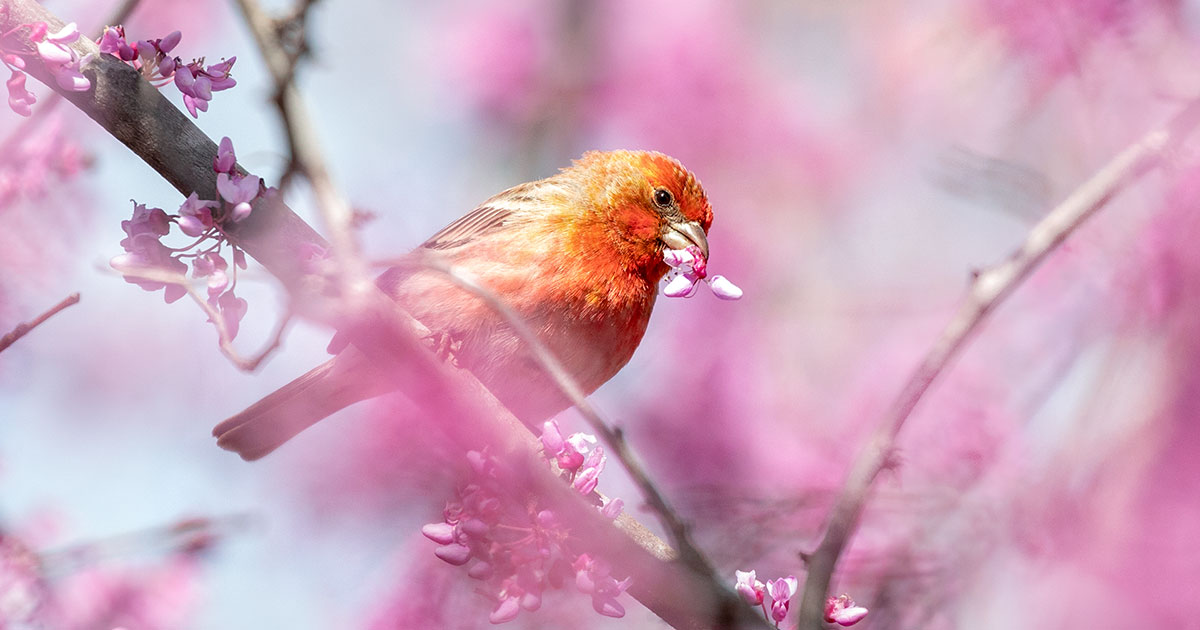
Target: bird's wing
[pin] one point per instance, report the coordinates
(498, 212)
(474, 224)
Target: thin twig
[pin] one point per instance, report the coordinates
(304, 148)
(23, 328)
(612, 436)
(987, 291)
(224, 338)
(185, 535)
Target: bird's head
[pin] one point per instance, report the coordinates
(642, 203)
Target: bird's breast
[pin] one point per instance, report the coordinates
(592, 327)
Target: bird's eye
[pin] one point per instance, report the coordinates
(663, 198)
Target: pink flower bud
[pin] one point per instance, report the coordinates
(506, 610)
(481, 571)
(680, 286)
(724, 289)
(170, 41)
(454, 554)
(843, 611)
(441, 533)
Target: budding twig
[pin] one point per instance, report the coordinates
(224, 335)
(987, 290)
(23, 328)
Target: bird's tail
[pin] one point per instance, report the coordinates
(282, 414)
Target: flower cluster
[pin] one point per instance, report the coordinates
(34, 164)
(152, 58)
(841, 610)
(22, 590)
(60, 59)
(111, 594)
(519, 549)
(688, 268)
(200, 219)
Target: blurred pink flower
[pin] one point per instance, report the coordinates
(749, 587)
(843, 611)
(781, 591)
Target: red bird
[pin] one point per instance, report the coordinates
(578, 255)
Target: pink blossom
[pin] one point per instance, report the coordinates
(781, 591)
(506, 610)
(589, 471)
(152, 58)
(593, 577)
(688, 268)
(20, 99)
(552, 439)
(212, 266)
(61, 60)
(22, 590)
(519, 551)
(143, 250)
(113, 42)
(145, 223)
(233, 309)
(749, 587)
(843, 611)
(197, 83)
(195, 216)
(226, 159)
(239, 190)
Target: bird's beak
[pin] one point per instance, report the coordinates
(684, 235)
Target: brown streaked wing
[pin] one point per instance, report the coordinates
(488, 217)
(473, 224)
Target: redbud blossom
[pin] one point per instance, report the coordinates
(20, 99)
(781, 591)
(200, 218)
(749, 587)
(194, 215)
(518, 550)
(60, 60)
(688, 268)
(152, 58)
(843, 611)
(226, 159)
(239, 190)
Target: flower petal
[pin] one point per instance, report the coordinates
(679, 286)
(723, 288)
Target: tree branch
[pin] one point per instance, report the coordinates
(987, 291)
(23, 328)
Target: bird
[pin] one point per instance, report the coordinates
(578, 255)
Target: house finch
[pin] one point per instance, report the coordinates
(578, 255)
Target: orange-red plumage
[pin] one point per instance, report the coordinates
(578, 255)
